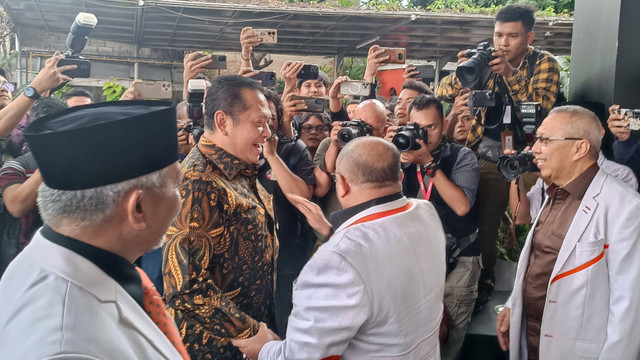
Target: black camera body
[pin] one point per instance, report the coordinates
(406, 136)
(512, 167)
(469, 72)
(83, 69)
(481, 98)
(531, 118)
(351, 130)
(195, 99)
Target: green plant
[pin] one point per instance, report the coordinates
(280, 85)
(564, 64)
(354, 68)
(60, 92)
(112, 91)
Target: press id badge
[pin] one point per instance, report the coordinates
(506, 119)
(507, 140)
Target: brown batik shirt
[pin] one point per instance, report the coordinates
(219, 255)
(548, 235)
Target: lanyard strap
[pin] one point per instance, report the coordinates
(425, 193)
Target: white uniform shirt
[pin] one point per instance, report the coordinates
(375, 289)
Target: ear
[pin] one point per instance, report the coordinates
(222, 122)
(133, 203)
(401, 175)
(297, 91)
(582, 149)
(530, 37)
(342, 186)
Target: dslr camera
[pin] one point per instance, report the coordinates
(405, 138)
(470, 71)
(351, 130)
(512, 167)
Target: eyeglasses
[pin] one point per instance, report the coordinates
(544, 140)
(7, 85)
(319, 129)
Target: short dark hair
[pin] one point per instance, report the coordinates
(322, 76)
(46, 106)
(3, 73)
(273, 97)
(352, 102)
(418, 86)
(225, 94)
(524, 13)
(77, 92)
(423, 102)
(321, 116)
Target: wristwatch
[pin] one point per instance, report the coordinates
(431, 168)
(31, 93)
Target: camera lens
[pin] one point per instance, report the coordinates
(222, 58)
(402, 142)
(345, 135)
(400, 56)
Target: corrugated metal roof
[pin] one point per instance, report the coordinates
(189, 25)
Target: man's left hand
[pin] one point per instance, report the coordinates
(421, 156)
(313, 213)
(251, 347)
(269, 147)
(501, 65)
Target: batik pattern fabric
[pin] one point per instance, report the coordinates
(220, 253)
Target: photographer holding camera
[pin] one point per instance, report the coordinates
(447, 176)
(515, 72)
(371, 119)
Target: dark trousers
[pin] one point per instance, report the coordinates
(283, 301)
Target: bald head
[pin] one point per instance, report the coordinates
(579, 122)
(374, 114)
(370, 161)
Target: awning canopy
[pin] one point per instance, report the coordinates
(190, 25)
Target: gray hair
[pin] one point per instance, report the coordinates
(82, 208)
(583, 123)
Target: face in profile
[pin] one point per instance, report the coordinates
(250, 128)
(6, 89)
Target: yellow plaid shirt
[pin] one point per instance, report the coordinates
(542, 88)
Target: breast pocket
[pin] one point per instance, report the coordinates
(588, 250)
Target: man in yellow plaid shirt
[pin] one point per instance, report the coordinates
(512, 74)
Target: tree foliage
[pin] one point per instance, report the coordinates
(545, 7)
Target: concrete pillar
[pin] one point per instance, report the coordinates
(604, 52)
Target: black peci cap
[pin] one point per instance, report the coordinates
(100, 144)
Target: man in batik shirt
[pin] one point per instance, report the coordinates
(220, 251)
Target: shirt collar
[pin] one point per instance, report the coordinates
(228, 164)
(340, 217)
(114, 265)
(578, 186)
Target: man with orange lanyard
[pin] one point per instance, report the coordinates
(447, 174)
(376, 286)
